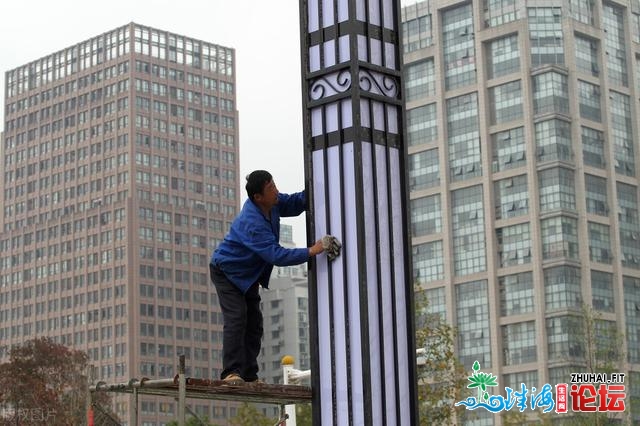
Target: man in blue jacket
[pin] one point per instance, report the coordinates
(243, 262)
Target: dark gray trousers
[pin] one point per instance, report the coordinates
(242, 332)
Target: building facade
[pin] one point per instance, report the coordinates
(522, 121)
(119, 175)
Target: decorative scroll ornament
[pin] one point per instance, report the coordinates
(339, 82)
(378, 83)
(331, 84)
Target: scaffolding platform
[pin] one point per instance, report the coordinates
(212, 390)
(182, 387)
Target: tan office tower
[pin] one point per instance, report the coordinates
(119, 175)
(523, 169)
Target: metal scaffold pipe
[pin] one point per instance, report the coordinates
(182, 392)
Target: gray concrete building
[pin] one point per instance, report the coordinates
(522, 138)
(119, 175)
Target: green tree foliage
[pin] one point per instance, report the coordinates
(304, 416)
(602, 342)
(600, 351)
(46, 382)
(248, 415)
(514, 417)
(442, 379)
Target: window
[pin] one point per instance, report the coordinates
(147, 349)
(472, 305)
(593, 147)
(562, 288)
(458, 47)
(607, 340)
(428, 262)
(632, 318)
(557, 189)
(622, 133)
(422, 126)
(420, 79)
(508, 149)
(602, 291)
(614, 44)
(599, 243)
(504, 56)
(596, 195)
(147, 290)
(436, 302)
(629, 225)
(417, 32)
(589, 101)
(516, 294)
(559, 238)
(587, 55)
(511, 197)
(637, 60)
(505, 102)
(426, 217)
(565, 340)
(545, 34)
(499, 12)
(424, 170)
(514, 245)
(581, 11)
(550, 93)
(468, 230)
(514, 380)
(519, 343)
(463, 137)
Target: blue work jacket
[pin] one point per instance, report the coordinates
(252, 247)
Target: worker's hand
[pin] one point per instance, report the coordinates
(316, 249)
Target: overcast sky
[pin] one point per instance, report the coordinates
(265, 35)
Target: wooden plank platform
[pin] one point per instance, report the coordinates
(213, 390)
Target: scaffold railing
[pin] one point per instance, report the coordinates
(181, 387)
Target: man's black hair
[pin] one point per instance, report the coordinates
(256, 181)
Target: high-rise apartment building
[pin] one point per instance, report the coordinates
(119, 175)
(523, 149)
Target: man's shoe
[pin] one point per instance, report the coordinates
(233, 379)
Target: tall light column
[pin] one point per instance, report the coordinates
(363, 355)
